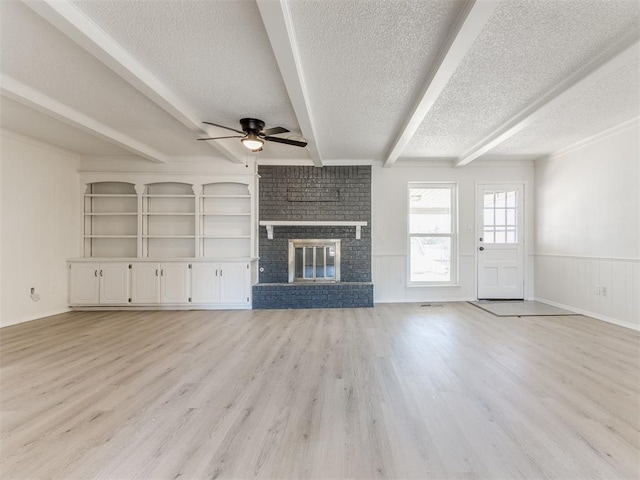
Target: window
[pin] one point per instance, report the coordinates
(432, 233)
(500, 212)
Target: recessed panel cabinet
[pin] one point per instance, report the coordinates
(235, 280)
(144, 283)
(99, 284)
(205, 283)
(221, 283)
(164, 283)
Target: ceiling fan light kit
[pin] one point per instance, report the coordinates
(253, 142)
(255, 134)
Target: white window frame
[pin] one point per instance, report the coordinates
(453, 187)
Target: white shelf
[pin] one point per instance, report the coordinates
(269, 224)
(225, 196)
(226, 236)
(168, 236)
(107, 214)
(166, 214)
(168, 195)
(110, 236)
(111, 195)
(225, 214)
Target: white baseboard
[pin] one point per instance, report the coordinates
(155, 306)
(36, 317)
(426, 300)
(604, 318)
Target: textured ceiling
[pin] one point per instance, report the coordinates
(525, 50)
(214, 54)
(587, 114)
(38, 55)
(350, 74)
(366, 61)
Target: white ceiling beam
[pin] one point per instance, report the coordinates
(32, 98)
(276, 17)
(625, 50)
(471, 22)
(71, 21)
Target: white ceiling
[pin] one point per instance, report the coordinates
(361, 80)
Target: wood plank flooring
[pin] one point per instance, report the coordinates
(395, 391)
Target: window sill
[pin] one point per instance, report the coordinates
(431, 285)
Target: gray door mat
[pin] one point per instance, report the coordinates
(520, 308)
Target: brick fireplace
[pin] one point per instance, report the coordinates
(333, 198)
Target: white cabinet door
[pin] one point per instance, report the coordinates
(234, 283)
(174, 282)
(145, 283)
(205, 285)
(114, 283)
(84, 284)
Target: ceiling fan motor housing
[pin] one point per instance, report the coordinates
(251, 125)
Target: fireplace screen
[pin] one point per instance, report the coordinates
(314, 260)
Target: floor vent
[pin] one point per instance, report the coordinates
(432, 305)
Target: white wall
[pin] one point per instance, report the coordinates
(588, 228)
(389, 227)
(39, 226)
(199, 165)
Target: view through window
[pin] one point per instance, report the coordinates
(432, 233)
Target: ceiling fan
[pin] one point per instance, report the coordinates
(254, 134)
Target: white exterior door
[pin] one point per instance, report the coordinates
(174, 283)
(205, 286)
(114, 283)
(84, 284)
(500, 241)
(145, 283)
(234, 283)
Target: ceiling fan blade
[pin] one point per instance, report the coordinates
(220, 138)
(274, 131)
(286, 141)
(222, 126)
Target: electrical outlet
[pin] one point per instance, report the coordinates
(597, 290)
(34, 296)
(603, 290)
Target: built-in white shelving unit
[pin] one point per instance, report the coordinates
(168, 220)
(154, 241)
(110, 220)
(225, 220)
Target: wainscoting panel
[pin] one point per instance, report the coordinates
(604, 288)
(390, 282)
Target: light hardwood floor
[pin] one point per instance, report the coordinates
(396, 391)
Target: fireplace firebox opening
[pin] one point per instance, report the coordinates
(314, 260)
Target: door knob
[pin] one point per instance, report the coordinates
(481, 248)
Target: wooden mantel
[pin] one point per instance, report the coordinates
(269, 224)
